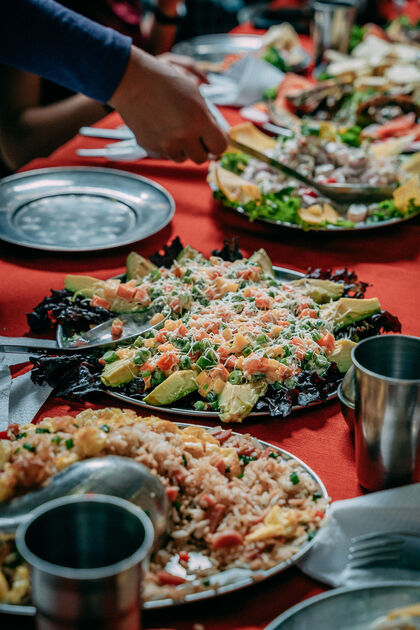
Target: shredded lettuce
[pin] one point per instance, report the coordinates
(234, 162)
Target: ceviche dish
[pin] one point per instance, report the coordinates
(237, 338)
(236, 503)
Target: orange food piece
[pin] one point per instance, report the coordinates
(98, 301)
(126, 291)
(167, 360)
(117, 328)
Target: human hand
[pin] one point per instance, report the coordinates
(186, 65)
(166, 111)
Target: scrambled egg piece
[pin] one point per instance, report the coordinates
(280, 521)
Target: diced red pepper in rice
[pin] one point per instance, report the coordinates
(172, 492)
(166, 578)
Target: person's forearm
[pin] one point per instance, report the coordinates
(38, 131)
(45, 38)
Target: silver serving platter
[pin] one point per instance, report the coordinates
(355, 607)
(214, 48)
(227, 581)
(332, 228)
(81, 209)
(281, 274)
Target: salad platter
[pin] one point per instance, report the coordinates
(188, 568)
(242, 338)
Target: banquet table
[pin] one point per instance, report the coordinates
(388, 258)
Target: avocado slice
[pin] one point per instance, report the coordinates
(320, 291)
(345, 311)
(119, 372)
(138, 266)
(237, 401)
(82, 285)
(342, 354)
(189, 253)
(262, 259)
(176, 386)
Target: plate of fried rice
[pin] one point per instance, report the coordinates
(242, 510)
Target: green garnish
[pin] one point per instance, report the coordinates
(20, 435)
(105, 428)
(29, 447)
(245, 459)
(270, 93)
(236, 377)
(294, 478)
(142, 356)
(184, 460)
(184, 362)
(56, 439)
(69, 444)
(316, 496)
(157, 377)
(273, 455)
(311, 534)
(352, 136)
(273, 56)
(234, 162)
(308, 129)
(16, 450)
(110, 356)
(42, 430)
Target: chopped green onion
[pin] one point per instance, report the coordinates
(199, 405)
(294, 478)
(142, 356)
(105, 428)
(236, 377)
(316, 496)
(29, 447)
(42, 430)
(69, 444)
(110, 356)
(20, 435)
(56, 439)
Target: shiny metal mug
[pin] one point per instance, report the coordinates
(331, 26)
(387, 410)
(86, 555)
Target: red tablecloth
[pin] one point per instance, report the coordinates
(388, 259)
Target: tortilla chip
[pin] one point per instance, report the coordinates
(248, 134)
(412, 165)
(407, 192)
(393, 146)
(317, 214)
(235, 188)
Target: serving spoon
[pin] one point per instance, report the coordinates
(134, 324)
(111, 475)
(338, 193)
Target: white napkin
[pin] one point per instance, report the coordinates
(243, 83)
(20, 399)
(395, 510)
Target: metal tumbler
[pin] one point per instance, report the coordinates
(331, 26)
(86, 555)
(387, 410)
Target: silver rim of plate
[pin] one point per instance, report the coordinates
(81, 209)
(282, 274)
(242, 582)
(303, 613)
(215, 47)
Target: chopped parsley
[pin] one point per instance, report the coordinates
(294, 478)
(245, 459)
(56, 439)
(273, 455)
(69, 444)
(316, 496)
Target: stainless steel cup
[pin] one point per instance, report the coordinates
(86, 555)
(331, 26)
(387, 410)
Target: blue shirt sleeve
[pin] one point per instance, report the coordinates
(47, 39)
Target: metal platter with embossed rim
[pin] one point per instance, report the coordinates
(226, 581)
(81, 209)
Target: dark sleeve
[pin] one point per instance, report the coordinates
(47, 39)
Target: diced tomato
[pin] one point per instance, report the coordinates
(142, 296)
(308, 312)
(223, 352)
(200, 334)
(228, 538)
(167, 360)
(102, 302)
(160, 336)
(377, 31)
(331, 180)
(219, 372)
(245, 274)
(172, 492)
(262, 302)
(212, 327)
(230, 362)
(174, 304)
(300, 347)
(182, 330)
(395, 126)
(184, 556)
(166, 578)
(246, 449)
(180, 475)
(177, 271)
(215, 515)
(126, 291)
(117, 328)
(327, 341)
(320, 513)
(223, 435)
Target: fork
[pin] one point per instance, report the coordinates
(398, 549)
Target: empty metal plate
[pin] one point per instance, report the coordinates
(79, 209)
(215, 47)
